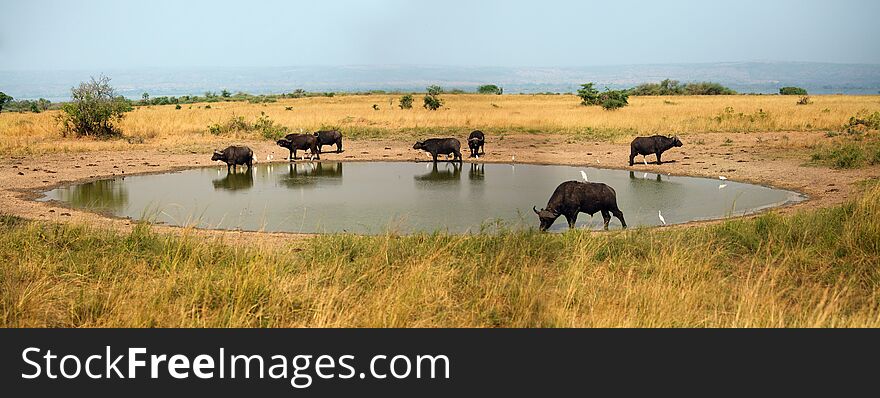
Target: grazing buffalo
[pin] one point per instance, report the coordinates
(573, 197)
(654, 144)
(235, 155)
(440, 146)
(329, 137)
(476, 142)
(302, 142)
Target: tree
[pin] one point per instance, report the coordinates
(432, 99)
(145, 97)
(613, 99)
(490, 89)
(225, 94)
(792, 91)
(4, 99)
(588, 94)
(44, 104)
(94, 109)
(406, 102)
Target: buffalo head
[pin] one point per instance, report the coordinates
(547, 217)
(218, 155)
(419, 145)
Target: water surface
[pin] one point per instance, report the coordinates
(372, 197)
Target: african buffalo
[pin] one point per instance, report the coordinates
(654, 144)
(476, 143)
(573, 197)
(294, 142)
(235, 155)
(329, 137)
(440, 146)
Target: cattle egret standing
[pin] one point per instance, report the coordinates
(722, 177)
(513, 158)
(597, 160)
(584, 174)
(663, 220)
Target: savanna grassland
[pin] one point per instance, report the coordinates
(810, 267)
(166, 127)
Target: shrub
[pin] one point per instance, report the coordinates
(674, 87)
(177, 106)
(613, 99)
(863, 121)
(490, 89)
(375, 107)
(432, 99)
(406, 102)
(225, 94)
(792, 91)
(94, 109)
(805, 100)
(4, 99)
(588, 94)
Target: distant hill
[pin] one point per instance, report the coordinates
(749, 77)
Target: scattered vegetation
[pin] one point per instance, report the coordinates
(237, 125)
(432, 98)
(94, 110)
(674, 87)
(406, 102)
(609, 99)
(792, 91)
(805, 100)
(490, 89)
(4, 99)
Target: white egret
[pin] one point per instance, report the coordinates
(584, 174)
(722, 177)
(663, 220)
(513, 158)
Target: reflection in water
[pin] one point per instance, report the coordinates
(477, 172)
(235, 181)
(632, 176)
(304, 173)
(446, 174)
(103, 194)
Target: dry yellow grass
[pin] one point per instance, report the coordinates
(163, 126)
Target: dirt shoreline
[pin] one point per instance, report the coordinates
(770, 159)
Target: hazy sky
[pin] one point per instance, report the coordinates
(51, 35)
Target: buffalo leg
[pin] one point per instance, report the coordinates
(658, 158)
(619, 214)
(632, 155)
(457, 156)
(571, 220)
(606, 216)
(290, 155)
(339, 146)
(434, 156)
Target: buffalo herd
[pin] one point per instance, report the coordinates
(568, 200)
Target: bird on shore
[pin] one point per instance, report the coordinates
(722, 177)
(659, 214)
(513, 158)
(269, 157)
(584, 174)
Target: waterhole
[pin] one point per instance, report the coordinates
(375, 197)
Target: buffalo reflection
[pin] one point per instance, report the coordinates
(299, 174)
(103, 194)
(478, 172)
(235, 181)
(447, 174)
(632, 176)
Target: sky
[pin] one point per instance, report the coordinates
(77, 35)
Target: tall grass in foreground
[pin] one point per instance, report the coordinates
(814, 268)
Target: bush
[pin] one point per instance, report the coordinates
(94, 109)
(4, 99)
(792, 91)
(863, 121)
(432, 99)
(613, 99)
(674, 87)
(490, 89)
(805, 100)
(406, 102)
(588, 94)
